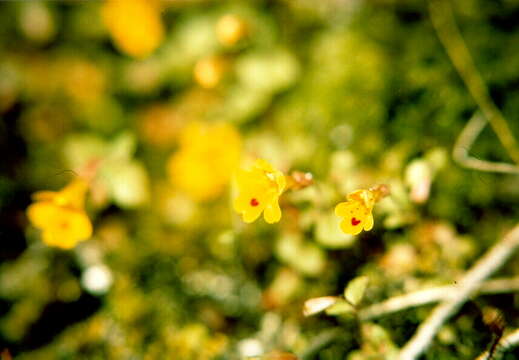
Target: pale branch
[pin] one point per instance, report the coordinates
(410, 300)
(468, 135)
(428, 296)
(507, 342)
(467, 286)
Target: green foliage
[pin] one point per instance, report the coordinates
(358, 93)
(354, 292)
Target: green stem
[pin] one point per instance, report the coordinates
(445, 25)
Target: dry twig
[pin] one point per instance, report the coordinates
(428, 296)
(470, 283)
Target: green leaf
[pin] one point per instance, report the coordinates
(341, 307)
(301, 255)
(123, 147)
(128, 183)
(79, 149)
(269, 71)
(328, 232)
(354, 292)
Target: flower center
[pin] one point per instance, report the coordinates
(354, 221)
(254, 202)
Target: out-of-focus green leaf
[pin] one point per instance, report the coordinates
(329, 234)
(78, 149)
(341, 307)
(301, 255)
(354, 292)
(128, 183)
(244, 103)
(123, 147)
(268, 71)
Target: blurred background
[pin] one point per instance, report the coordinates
(169, 97)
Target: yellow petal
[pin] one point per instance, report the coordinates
(270, 175)
(281, 181)
(345, 209)
(135, 25)
(245, 179)
(252, 214)
(355, 195)
(194, 176)
(367, 197)
(190, 134)
(241, 203)
(272, 213)
(368, 222)
(348, 228)
(73, 226)
(80, 225)
(249, 206)
(59, 240)
(42, 214)
(264, 184)
(263, 165)
(55, 239)
(73, 194)
(62, 227)
(202, 167)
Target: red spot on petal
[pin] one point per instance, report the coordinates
(254, 202)
(354, 221)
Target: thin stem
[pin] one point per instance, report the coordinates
(410, 300)
(507, 342)
(449, 34)
(464, 142)
(469, 284)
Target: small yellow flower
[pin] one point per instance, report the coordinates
(208, 155)
(61, 215)
(208, 72)
(357, 211)
(135, 25)
(259, 190)
(230, 29)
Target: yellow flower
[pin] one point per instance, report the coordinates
(135, 25)
(208, 155)
(259, 190)
(61, 216)
(230, 29)
(357, 210)
(209, 71)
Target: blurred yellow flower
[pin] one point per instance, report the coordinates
(208, 155)
(209, 71)
(230, 29)
(135, 25)
(61, 215)
(259, 190)
(357, 210)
